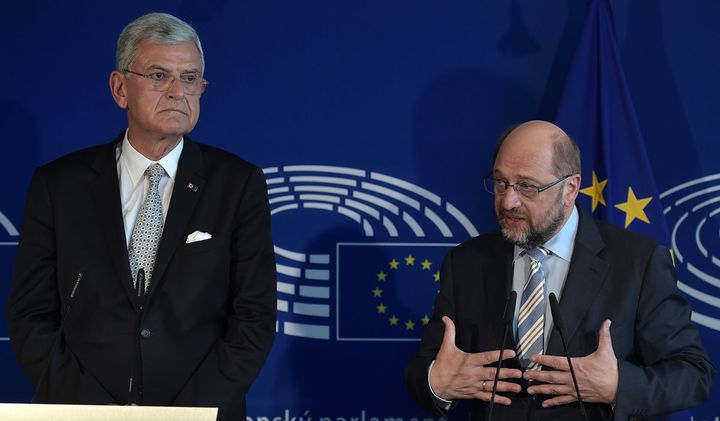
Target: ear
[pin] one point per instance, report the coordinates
(572, 188)
(118, 89)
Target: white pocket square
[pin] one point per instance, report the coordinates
(197, 236)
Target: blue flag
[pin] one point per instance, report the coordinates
(597, 111)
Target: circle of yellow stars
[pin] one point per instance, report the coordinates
(382, 276)
(633, 207)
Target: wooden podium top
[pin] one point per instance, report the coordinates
(42, 412)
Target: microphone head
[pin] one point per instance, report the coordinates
(510, 308)
(555, 310)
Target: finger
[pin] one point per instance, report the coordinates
(506, 373)
(552, 377)
(502, 400)
(559, 400)
(558, 363)
(605, 340)
(449, 335)
(504, 386)
(489, 357)
(552, 389)
(499, 399)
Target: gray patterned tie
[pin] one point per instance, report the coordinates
(148, 228)
(531, 317)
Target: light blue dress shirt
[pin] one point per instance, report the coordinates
(556, 268)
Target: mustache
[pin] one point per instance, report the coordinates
(513, 213)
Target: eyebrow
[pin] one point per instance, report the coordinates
(159, 67)
(520, 179)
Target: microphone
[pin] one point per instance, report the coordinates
(508, 315)
(133, 387)
(61, 327)
(558, 323)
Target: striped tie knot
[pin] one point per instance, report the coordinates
(538, 254)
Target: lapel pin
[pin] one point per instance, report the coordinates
(192, 186)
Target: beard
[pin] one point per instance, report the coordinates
(532, 235)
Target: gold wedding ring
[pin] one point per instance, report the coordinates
(483, 385)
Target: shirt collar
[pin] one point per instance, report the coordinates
(561, 244)
(137, 163)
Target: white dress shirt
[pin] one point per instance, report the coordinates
(131, 166)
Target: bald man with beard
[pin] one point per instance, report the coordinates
(635, 351)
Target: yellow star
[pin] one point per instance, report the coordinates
(634, 208)
(436, 275)
(425, 320)
(596, 191)
(394, 264)
(410, 260)
(381, 308)
(409, 325)
(382, 276)
(393, 320)
(426, 264)
(377, 292)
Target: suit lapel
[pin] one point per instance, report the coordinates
(189, 183)
(105, 191)
(585, 278)
(497, 287)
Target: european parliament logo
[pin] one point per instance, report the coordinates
(360, 253)
(693, 215)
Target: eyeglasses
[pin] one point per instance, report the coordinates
(192, 82)
(499, 187)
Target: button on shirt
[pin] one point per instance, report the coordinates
(556, 269)
(131, 166)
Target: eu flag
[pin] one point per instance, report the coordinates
(385, 290)
(597, 111)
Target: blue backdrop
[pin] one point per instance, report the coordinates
(375, 122)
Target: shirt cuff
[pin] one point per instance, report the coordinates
(440, 402)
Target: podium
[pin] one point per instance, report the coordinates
(47, 412)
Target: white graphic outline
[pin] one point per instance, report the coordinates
(695, 200)
(381, 205)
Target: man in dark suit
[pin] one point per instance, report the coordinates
(145, 272)
(634, 349)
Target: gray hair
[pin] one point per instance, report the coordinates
(566, 155)
(160, 28)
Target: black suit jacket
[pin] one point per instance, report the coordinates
(614, 274)
(208, 321)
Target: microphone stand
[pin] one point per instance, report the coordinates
(134, 392)
(507, 321)
(558, 323)
(61, 328)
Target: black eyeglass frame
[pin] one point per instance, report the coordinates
(523, 188)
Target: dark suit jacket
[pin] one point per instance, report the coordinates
(209, 320)
(614, 274)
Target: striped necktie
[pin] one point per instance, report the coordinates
(531, 317)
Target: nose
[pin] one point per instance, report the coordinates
(175, 90)
(510, 200)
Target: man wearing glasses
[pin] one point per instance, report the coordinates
(635, 351)
(145, 272)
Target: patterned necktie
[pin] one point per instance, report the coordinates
(148, 228)
(531, 317)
